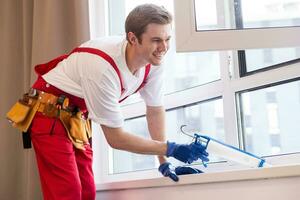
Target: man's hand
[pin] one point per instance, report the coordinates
(167, 170)
(187, 153)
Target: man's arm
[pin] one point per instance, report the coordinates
(156, 125)
(119, 139)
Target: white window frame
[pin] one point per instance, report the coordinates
(191, 40)
(227, 87)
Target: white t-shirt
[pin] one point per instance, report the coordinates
(91, 77)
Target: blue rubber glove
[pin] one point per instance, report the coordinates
(187, 153)
(187, 170)
(167, 171)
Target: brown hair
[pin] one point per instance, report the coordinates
(138, 19)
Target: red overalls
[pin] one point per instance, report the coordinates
(65, 172)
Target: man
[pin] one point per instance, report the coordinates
(95, 77)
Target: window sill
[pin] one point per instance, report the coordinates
(210, 177)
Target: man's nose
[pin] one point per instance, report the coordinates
(164, 46)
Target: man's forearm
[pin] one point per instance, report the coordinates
(119, 139)
(156, 125)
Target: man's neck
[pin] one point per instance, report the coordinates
(133, 63)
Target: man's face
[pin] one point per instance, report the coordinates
(154, 43)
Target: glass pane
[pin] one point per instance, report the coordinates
(187, 70)
(270, 119)
(230, 14)
(182, 70)
(124, 161)
(270, 13)
(214, 14)
(206, 117)
(262, 58)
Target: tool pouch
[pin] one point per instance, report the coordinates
(18, 112)
(22, 113)
(79, 130)
(78, 127)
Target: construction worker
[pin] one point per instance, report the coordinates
(90, 83)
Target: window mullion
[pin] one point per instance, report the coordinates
(230, 119)
(238, 14)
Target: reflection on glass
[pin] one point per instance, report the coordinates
(229, 14)
(206, 117)
(262, 58)
(270, 119)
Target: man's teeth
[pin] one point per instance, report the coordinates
(158, 55)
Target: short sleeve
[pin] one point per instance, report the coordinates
(101, 93)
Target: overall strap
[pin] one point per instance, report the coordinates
(105, 56)
(147, 70)
(113, 64)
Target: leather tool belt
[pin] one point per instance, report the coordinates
(23, 112)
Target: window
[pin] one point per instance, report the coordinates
(236, 24)
(249, 14)
(243, 14)
(253, 60)
(274, 118)
(241, 97)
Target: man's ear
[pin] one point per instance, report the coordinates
(132, 39)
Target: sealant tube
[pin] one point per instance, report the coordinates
(228, 152)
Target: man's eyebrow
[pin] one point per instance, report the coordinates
(156, 38)
(159, 38)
